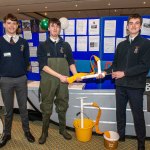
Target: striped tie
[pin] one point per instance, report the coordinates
(12, 41)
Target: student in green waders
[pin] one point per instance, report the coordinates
(55, 59)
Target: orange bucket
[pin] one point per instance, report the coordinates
(83, 134)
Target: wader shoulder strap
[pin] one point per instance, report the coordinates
(64, 45)
(46, 45)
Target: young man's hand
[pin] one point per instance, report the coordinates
(78, 79)
(63, 79)
(118, 74)
(102, 75)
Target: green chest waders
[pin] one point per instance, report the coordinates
(53, 91)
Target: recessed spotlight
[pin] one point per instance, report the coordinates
(45, 13)
(76, 5)
(109, 4)
(18, 9)
(45, 7)
(115, 10)
(144, 2)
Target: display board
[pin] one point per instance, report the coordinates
(113, 31)
(83, 35)
(87, 37)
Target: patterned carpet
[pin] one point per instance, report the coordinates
(56, 142)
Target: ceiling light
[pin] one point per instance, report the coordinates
(18, 9)
(115, 10)
(109, 4)
(45, 7)
(45, 13)
(144, 2)
(76, 5)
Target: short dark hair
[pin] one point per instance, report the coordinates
(54, 21)
(11, 17)
(135, 16)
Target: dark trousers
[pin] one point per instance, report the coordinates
(135, 98)
(8, 87)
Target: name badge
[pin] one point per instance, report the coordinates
(48, 54)
(136, 50)
(7, 54)
(21, 47)
(62, 50)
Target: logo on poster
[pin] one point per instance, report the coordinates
(147, 89)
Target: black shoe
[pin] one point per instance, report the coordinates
(122, 139)
(43, 137)
(141, 148)
(4, 140)
(65, 134)
(141, 145)
(29, 137)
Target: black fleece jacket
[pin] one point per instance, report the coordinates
(134, 60)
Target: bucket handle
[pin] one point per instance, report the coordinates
(77, 114)
(97, 118)
(96, 124)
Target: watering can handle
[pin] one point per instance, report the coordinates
(97, 118)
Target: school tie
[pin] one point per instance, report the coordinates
(12, 41)
(131, 41)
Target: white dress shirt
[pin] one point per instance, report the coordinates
(7, 38)
(54, 40)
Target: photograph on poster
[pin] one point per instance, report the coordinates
(145, 27)
(93, 43)
(26, 25)
(94, 26)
